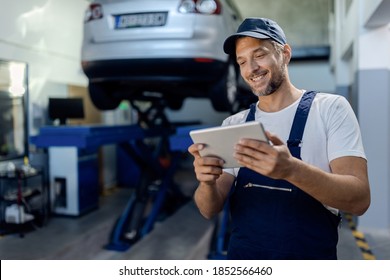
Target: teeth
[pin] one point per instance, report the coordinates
(257, 78)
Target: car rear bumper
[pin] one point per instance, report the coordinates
(161, 71)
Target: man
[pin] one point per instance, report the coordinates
(285, 199)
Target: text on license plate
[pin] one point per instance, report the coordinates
(141, 20)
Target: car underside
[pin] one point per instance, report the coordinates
(111, 81)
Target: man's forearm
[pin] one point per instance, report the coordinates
(208, 200)
(342, 189)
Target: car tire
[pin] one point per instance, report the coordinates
(224, 94)
(102, 96)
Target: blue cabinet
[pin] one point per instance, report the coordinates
(74, 176)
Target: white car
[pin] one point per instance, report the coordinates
(172, 49)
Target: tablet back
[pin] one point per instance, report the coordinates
(220, 141)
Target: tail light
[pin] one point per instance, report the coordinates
(209, 7)
(94, 11)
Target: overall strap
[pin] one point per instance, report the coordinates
(295, 139)
(251, 114)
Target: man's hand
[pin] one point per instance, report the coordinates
(274, 160)
(214, 184)
(207, 169)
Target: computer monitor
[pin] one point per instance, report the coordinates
(65, 108)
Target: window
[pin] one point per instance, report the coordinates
(13, 110)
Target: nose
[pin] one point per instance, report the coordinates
(253, 66)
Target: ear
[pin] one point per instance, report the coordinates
(287, 53)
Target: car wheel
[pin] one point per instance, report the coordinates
(102, 96)
(224, 94)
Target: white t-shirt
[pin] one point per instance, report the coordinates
(331, 130)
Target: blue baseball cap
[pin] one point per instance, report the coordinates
(261, 28)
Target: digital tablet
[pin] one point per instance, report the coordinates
(220, 141)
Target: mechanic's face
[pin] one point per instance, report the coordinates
(261, 65)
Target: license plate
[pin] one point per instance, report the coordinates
(140, 20)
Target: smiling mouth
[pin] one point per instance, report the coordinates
(256, 78)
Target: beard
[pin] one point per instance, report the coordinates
(275, 83)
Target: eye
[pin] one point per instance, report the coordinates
(260, 55)
(241, 62)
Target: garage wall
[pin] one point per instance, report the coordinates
(47, 35)
(313, 75)
(305, 22)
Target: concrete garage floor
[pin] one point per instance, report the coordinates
(183, 235)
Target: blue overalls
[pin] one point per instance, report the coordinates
(273, 219)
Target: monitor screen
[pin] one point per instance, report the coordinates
(65, 108)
